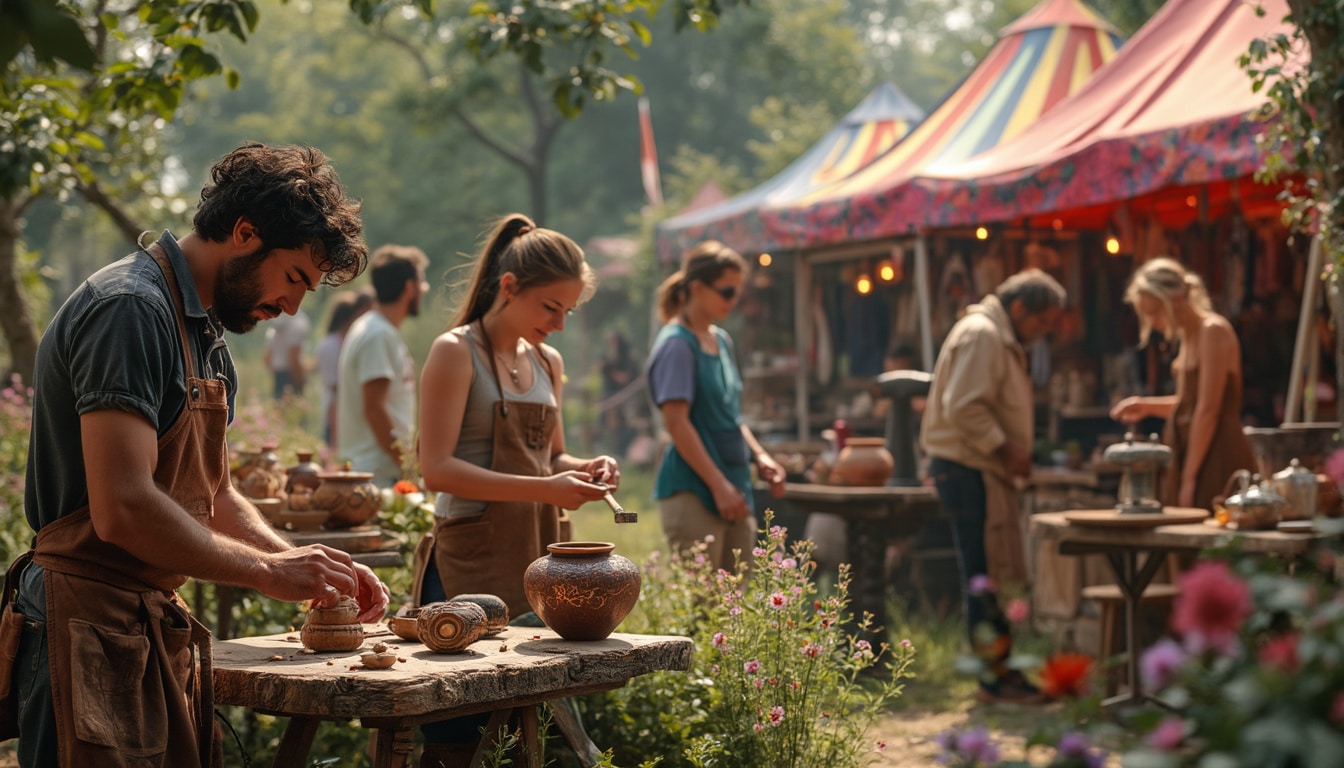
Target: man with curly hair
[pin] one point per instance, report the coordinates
(128, 485)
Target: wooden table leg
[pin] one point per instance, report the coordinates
(499, 719)
(566, 717)
(224, 596)
(1133, 579)
(868, 594)
(392, 747)
(297, 742)
(530, 743)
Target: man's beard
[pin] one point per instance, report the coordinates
(414, 309)
(238, 292)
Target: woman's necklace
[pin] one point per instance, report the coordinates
(511, 368)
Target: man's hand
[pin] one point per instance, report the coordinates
(1016, 459)
(307, 573)
(373, 595)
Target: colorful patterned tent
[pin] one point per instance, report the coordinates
(1168, 128)
(1039, 60)
(883, 118)
(1175, 114)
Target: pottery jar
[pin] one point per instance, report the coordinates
(305, 474)
(336, 628)
(863, 461)
(582, 590)
(350, 497)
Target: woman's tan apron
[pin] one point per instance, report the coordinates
(130, 667)
(1229, 449)
(489, 552)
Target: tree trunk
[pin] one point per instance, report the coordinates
(16, 322)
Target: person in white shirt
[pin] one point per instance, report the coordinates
(346, 308)
(375, 393)
(285, 340)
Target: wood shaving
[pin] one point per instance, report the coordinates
(276, 657)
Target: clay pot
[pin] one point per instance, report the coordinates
(305, 474)
(581, 589)
(450, 627)
(301, 498)
(335, 628)
(496, 610)
(863, 461)
(350, 497)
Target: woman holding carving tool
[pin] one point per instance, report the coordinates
(491, 440)
(704, 483)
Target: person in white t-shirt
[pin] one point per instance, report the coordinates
(286, 336)
(375, 393)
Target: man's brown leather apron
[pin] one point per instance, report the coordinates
(489, 552)
(130, 667)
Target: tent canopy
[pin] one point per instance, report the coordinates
(1038, 61)
(871, 128)
(1167, 128)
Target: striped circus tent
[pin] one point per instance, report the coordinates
(1038, 61)
(873, 127)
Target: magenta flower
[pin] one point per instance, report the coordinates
(1211, 608)
(776, 715)
(1168, 734)
(1280, 654)
(1159, 664)
(720, 640)
(1017, 610)
(751, 667)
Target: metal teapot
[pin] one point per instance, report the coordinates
(1297, 484)
(1257, 505)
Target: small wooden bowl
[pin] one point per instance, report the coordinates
(305, 520)
(405, 627)
(269, 508)
(378, 660)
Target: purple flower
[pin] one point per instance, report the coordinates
(1073, 744)
(1160, 663)
(981, 584)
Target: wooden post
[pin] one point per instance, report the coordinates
(923, 296)
(802, 330)
(1306, 331)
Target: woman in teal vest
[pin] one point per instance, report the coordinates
(704, 483)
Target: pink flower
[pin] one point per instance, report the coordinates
(776, 715)
(981, 584)
(1280, 654)
(751, 667)
(1159, 664)
(1211, 608)
(905, 643)
(881, 746)
(1168, 734)
(811, 650)
(720, 640)
(778, 600)
(1337, 709)
(757, 727)
(1017, 610)
(1334, 466)
(759, 683)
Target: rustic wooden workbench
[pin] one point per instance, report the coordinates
(511, 672)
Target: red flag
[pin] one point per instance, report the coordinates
(648, 156)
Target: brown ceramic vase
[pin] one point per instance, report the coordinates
(582, 590)
(351, 498)
(863, 461)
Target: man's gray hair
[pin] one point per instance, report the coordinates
(1036, 290)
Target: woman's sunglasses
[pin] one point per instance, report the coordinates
(728, 292)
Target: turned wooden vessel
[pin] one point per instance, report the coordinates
(350, 498)
(335, 628)
(450, 627)
(496, 610)
(582, 590)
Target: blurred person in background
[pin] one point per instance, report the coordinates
(1203, 419)
(286, 337)
(618, 370)
(978, 429)
(703, 486)
(347, 307)
(128, 482)
(375, 390)
(492, 442)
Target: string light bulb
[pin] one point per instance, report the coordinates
(886, 271)
(981, 233)
(1113, 245)
(864, 285)
(765, 259)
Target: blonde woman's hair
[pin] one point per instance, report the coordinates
(1164, 279)
(705, 262)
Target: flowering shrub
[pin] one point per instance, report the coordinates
(16, 421)
(1255, 676)
(781, 676)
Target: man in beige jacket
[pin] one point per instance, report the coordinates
(978, 432)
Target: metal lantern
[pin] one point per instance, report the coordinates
(1140, 460)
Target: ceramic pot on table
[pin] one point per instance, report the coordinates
(863, 461)
(351, 498)
(582, 589)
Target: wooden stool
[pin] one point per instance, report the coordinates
(1111, 636)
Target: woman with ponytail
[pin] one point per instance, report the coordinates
(704, 483)
(1203, 418)
(491, 440)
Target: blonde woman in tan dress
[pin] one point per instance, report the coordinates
(1203, 418)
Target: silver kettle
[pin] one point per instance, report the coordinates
(1297, 484)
